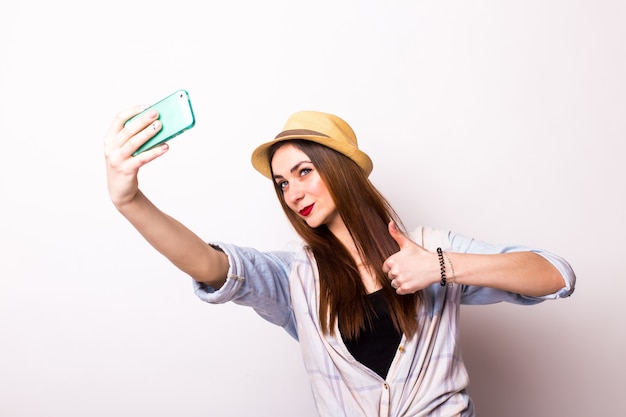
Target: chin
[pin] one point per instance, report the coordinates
(313, 224)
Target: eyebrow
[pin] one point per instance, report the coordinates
(294, 168)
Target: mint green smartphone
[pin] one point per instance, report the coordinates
(176, 116)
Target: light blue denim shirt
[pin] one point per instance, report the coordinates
(427, 374)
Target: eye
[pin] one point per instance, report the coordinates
(305, 171)
(282, 184)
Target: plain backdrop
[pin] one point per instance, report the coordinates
(500, 120)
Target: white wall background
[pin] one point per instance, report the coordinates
(500, 120)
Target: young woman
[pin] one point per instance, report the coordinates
(375, 310)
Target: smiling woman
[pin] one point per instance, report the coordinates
(300, 181)
(375, 309)
(501, 120)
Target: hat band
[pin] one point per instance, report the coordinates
(298, 132)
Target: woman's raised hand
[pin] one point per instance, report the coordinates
(119, 144)
(412, 268)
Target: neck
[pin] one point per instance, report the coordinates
(342, 234)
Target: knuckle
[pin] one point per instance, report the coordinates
(121, 116)
(115, 159)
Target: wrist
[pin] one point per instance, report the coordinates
(447, 277)
(451, 275)
(126, 206)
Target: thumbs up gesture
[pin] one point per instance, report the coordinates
(413, 267)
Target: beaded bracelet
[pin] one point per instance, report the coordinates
(442, 264)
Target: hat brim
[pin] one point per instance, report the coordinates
(261, 162)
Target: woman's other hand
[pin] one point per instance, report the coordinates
(119, 144)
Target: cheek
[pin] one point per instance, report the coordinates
(318, 187)
(290, 206)
(284, 198)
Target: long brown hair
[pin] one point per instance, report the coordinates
(366, 214)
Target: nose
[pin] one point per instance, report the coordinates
(294, 193)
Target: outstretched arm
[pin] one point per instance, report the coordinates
(168, 236)
(527, 273)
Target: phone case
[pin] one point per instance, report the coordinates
(176, 116)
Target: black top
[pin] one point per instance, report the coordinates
(376, 346)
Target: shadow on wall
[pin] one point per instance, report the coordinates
(517, 359)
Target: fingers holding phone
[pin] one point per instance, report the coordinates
(168, 118)
(140, 134)
(131, 128)
(139, 131)
(175, 116)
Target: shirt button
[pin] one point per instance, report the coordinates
(401, 349)
(386, 386)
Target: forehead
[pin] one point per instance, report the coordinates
(286, 157)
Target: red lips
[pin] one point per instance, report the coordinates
(306, 211)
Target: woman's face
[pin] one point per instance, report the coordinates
(303, 189)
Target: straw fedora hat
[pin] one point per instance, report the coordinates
(323, 128)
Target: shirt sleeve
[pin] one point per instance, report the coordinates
(484, 295)
(431, 238)
(255, 279)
